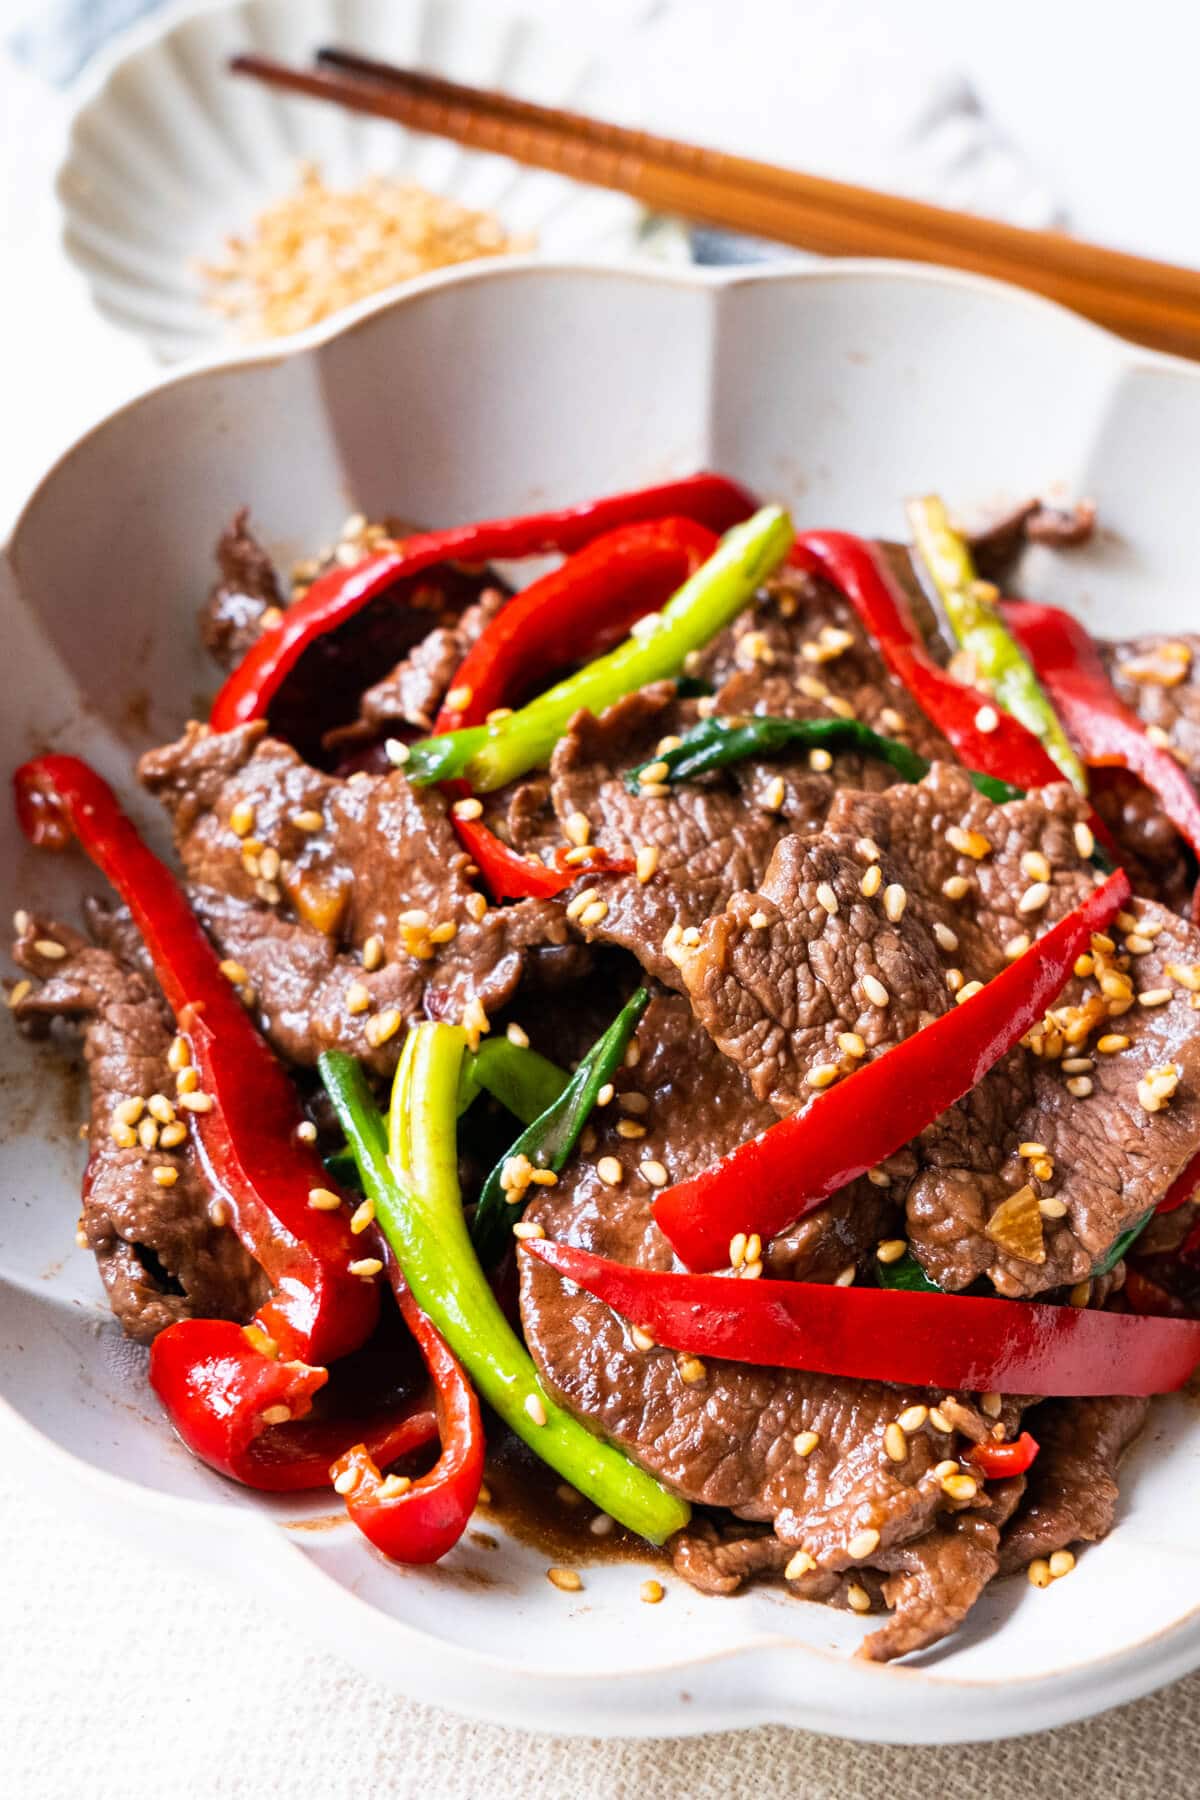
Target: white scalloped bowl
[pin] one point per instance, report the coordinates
(838, 389)
(168, 153)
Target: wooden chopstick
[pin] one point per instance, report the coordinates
(1153, 303)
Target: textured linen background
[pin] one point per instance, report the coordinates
(124, 1677)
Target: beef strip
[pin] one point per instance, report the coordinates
(414, 690)
(248, 586)
(295, 903)
(778, 980)
(726, 1439)
(1071, 1495)
(934, 1581)
(1159, 677)
(997, 547)
(160, 1254)
(1151, 851)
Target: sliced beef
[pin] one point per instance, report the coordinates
(1159, 677)
(708, 840)
(414, 690)
(1151, 851)
(933, 1582)
(293, 872)
(724, 1434)
(248, 586)
(161, 1255)
(800, 979)
(1072, 1494)
(998, 545)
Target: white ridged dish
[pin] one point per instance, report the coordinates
(168, 153)
(840, 390)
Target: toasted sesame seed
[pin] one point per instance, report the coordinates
(820, 761)
(1154, 996)
(196, 1102)
(895, 1444)
(653, 1172)
(954, 980)
(757, 920)
(476, 906)
(651, 1592)
(358, 997)
(851, 1043)
(1085, 841)
(346, 1482)
(646, 862)
(968, 843)
(630, 1128)
(823, 1076)
(396, 752)
(867, 847)
(987, 719)
(605, 1095)
(128, 1112)
(1043, 1167)
(1061, 1563)
(875, 991)
(467, 809)
(323, 1199)
(372, 952)
(945, 938)
(172, 1134)
(946, 1469)
(955, 887)
(805, 1442)
(1035, 865)
(827, 899)
(49, 948)
(895, 899)
(610, 1171)
(525, 1230)
(382, 1026)
(241, 819)
(960, 1487)
(581, 902)
(234, 971)
(601, 1525)
(1052, 1208)
(1112, 1042)
(890, 1250)
(691, 1369)
(1186, 974)
(595, 914)
(275, 1415)
(968, 991)
(566, 1579)
(845, 1278)
(774, 794)
(458, 697)
(912, 1418)
(891, 720)
(633, 1054)
(269, 863)
(653, 773)
(20, 991)
(1080, 1086)
(309, 820)
(1030, 1147)
(642, 1339)
(362, 1216)
(147, 1134)
(1080, 1294)
(938, 1419)
(879, 1178)
(366, 1266)
(1038, 1572)
(577, 828)
(871, 882)
(165, 1175)
(1137, 945)
(858, 1598)
(863, 1543)
(1034, 898)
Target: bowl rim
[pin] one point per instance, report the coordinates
(921, 1705)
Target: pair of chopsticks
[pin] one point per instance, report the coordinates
(1153, 303)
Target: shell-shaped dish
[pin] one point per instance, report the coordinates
(168, 153)
(839, 390)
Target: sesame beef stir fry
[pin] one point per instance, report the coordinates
(726, 1014)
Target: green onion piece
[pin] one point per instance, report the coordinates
(908, 1274)
(715, 743)
(1115, 1252)
(975, 622)
(491, 755)
(419, 1208)
(520, 1078)
(551, 1138)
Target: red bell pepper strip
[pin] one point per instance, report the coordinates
(999, 1461)
(512, 875)
(1107, 733)
(575, 612)
(248, 1139)
(854, 568)
(793, 1167)
(419, 1524)
(948, 1341)
(333, 598)
(221, 1391)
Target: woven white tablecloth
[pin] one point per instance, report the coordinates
(124, 1677)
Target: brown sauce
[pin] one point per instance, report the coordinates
(530, 1502)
